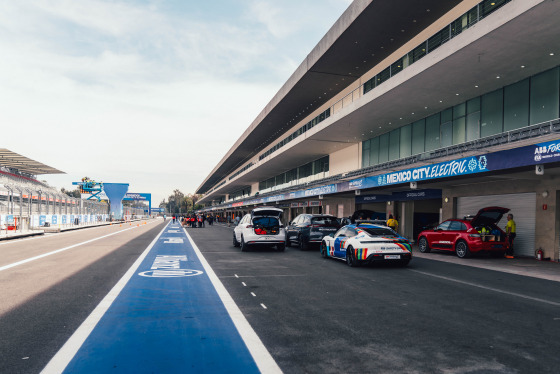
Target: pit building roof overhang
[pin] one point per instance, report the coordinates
(366, 33)
(25, 165)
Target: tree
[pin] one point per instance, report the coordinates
(76, 193)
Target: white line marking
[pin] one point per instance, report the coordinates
(489, 288)
(5, 267)
(58, 234)
(236, 276)
(244, 284)
(63, 357)
(252, 293)
(262, 357)
(264, 306)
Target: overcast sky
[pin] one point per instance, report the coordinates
(147, 92)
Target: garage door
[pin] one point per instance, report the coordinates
(523, 208)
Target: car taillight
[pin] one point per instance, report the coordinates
(317, 225)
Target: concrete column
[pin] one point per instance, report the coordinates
(406, 221)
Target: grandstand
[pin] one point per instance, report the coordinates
(25, 202)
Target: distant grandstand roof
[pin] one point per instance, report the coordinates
(26, 165)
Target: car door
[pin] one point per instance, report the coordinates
(293, 229)
(435, 237)
(339, 242)
(449, 236)
(240, 226)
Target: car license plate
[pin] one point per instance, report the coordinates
(392, 257)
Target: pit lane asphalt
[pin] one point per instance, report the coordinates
(318, 315)
(44, 301)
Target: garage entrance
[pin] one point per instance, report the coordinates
(521, 205)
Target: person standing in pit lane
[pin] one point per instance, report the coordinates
(510, 235)
(393, 223)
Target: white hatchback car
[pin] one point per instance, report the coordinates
(261, 226)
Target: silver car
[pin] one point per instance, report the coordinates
(260, 227)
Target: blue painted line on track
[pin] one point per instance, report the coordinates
(167, 323)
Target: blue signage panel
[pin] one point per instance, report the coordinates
(42, 220)
(54, 220)
(535, 154)
(368, 199)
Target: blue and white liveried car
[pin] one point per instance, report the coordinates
(364, 243)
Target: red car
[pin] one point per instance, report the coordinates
(466, 236)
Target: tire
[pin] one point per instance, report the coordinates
(235, 242)
(423, 245)
(324, 253)
(462, 249)
(302, 244)
(281, 247)
(243, 245)
(350, 259)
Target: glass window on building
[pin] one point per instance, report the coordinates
(491, 116)
(321, 165)
(383, 76)
(374, 151)
(447, 134)
(365, 153)
(418, 136)
(397, 67)
(383, 148)
(473, 119)
(544, 96)
(291, 175)
(304, 171)
(394, 144)
(459, 110)
(432, 133)
(459, 134)
(417, 53)
(280, 179)
(406, 141)
(516, 105)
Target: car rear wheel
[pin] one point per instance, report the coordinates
(423, 245)
(243, 245)
(324, 253)
(235, 242)
(462, 249)
(350, 258)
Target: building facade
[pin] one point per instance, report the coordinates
(425, 110)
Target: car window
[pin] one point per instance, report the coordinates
(457, 226)
(325, 221)
(351, 232)
(341, 232)
(444, 225)
(379, 231)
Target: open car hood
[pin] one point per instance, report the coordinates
(489, 215)
(266, 212)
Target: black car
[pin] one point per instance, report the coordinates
(308, 229)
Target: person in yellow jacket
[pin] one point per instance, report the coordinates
(392, 223)
(510, 233)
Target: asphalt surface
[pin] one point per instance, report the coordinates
(322, 316)
(44, 301)
(314, 315)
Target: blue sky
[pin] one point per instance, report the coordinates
(152, 93)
